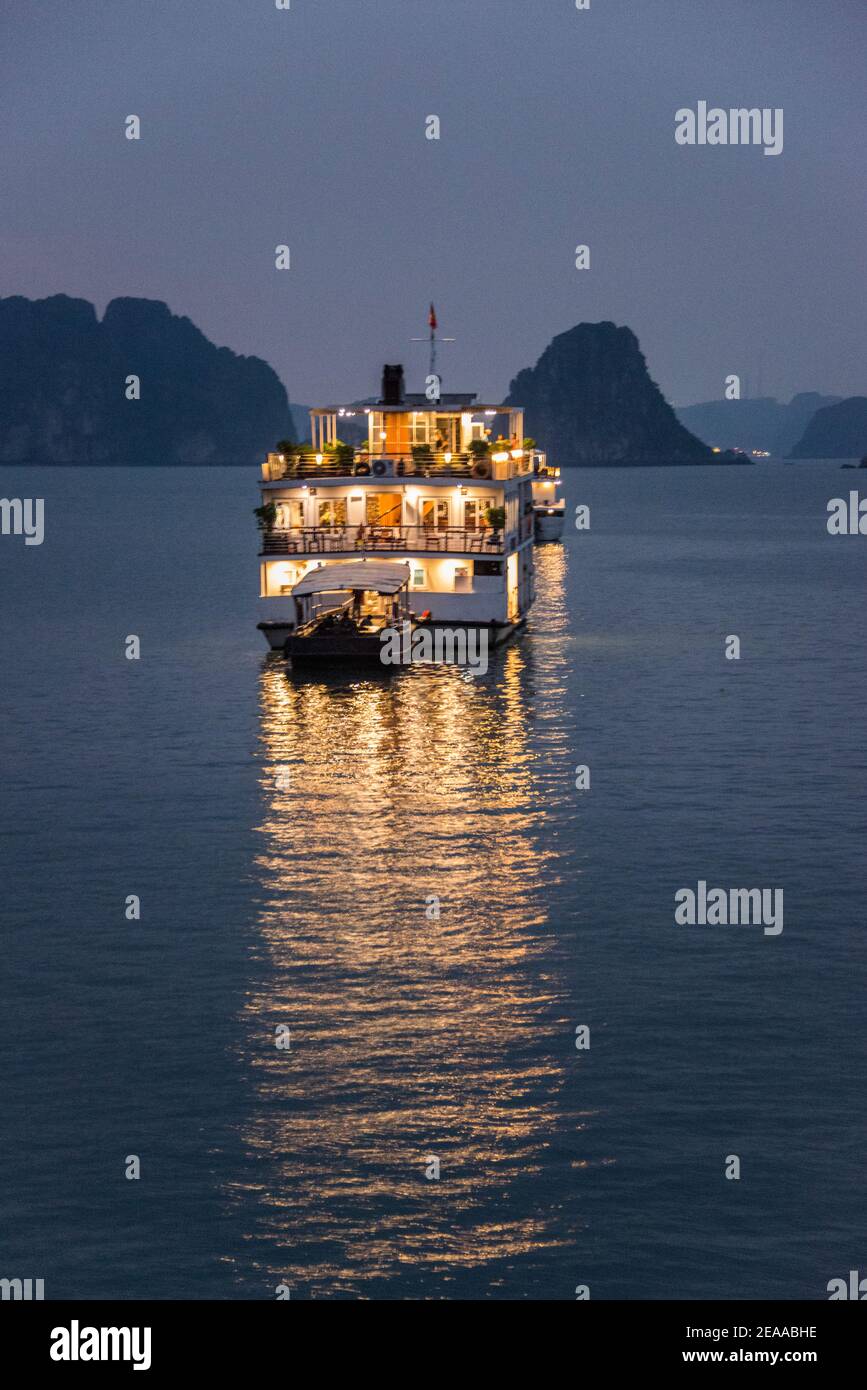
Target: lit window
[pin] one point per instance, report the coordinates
(435, 513)
(333, 512)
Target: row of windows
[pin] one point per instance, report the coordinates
(384, 509)
(461, 577)
(440, 432)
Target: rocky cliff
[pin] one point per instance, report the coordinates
(590, 400)
(63, 388)
(837, 432)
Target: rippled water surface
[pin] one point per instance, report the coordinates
(399, 870)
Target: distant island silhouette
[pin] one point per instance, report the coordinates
(591, 401)
(64, 397)
(757, 422)
(67, 396)
(836, 432)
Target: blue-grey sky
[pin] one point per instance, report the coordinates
(307, 127)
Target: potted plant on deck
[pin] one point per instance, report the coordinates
(479, 451)
(266, 517)
(342, 454)
(422, 457)
(288, 451)
(496, 519)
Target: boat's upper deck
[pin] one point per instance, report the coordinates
(452, 424)
(405, 435)
(497, 465)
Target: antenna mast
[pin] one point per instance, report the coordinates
(433, 340)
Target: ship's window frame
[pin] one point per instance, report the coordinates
(450, 431)
(290, 513)
(393, 517)
(335, 505)
(419, 428)
(435, 524)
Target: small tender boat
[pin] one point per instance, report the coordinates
(549, 510)
(342, 610)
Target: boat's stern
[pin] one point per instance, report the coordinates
(548, 522)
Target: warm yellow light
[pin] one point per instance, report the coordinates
(447, 457)
(318, 458)
(517, 453)
(500, 458)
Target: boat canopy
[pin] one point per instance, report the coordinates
(380, 577)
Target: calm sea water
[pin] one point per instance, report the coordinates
(285, 835)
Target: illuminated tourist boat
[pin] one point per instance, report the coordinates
(549, 508)
(430, 486)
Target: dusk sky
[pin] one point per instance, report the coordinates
(307, 127)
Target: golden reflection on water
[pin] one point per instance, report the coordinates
(406, 875)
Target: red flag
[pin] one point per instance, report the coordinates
(432, 317)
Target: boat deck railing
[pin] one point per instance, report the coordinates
(325, 540)
(499, 466)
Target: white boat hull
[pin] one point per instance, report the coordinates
(275, 632)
